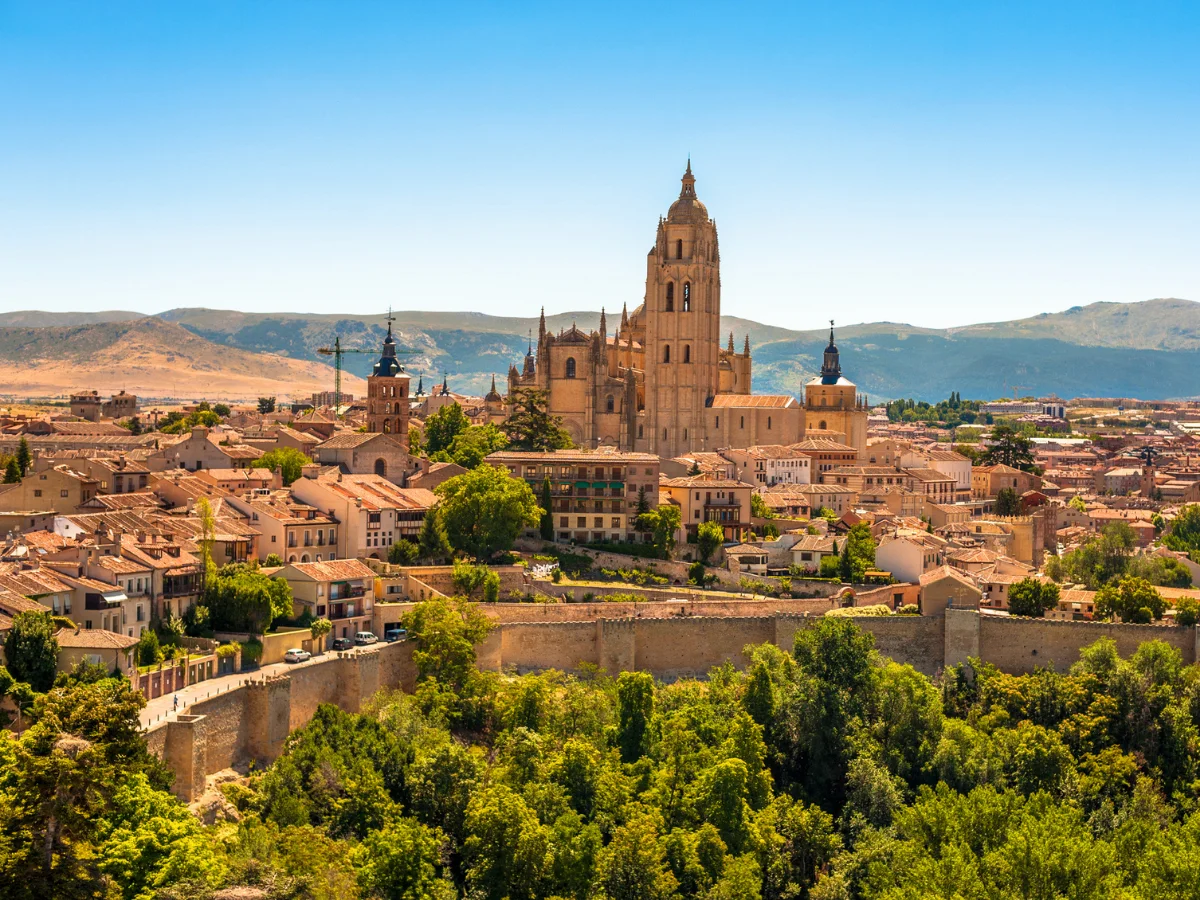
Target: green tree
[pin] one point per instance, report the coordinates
(1184, 536)
(401, 860)
(1032, 597)
(858, 554)
(546, 527)
(475, 582)
(222, 410)
(403, 553)
(1132, 599)
(1187, 611)
(443, 427)
(12, 471)
(635, 706)
(241, 598)
(709, 536)
(208, 528)
(320, 629)
(24, 457)
(432, 539)
(288, 460)
(662, 522)
(469, 448)
(1008, 502)
(273, 560)
(148, 651)
(31, 649)
(266, 405)
(530, 426)
(507, 853)
(1078, 504)
(1009, 448)
(633, 866)
(445, 633)
(485, 509)
(759, 508)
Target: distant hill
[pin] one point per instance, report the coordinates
(150, 357)
(35, 318)
(1149, 349)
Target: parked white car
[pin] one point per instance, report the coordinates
(296, 655)
(362, 638)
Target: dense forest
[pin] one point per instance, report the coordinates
(826, 772)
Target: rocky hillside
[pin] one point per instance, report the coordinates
(149, 357)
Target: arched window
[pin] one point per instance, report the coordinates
(304, 558)
(667, 353)
(687, 353)
(381, 467)
(292, 558)
(387, 426)
(570, 367)
(670, 296)
(396, 409)
(821, 425)
(687, 296)
(608, 403)
(679, 249)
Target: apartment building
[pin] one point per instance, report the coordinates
(374, 512)
(594, 493)
(770, 464)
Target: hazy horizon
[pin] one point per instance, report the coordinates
(930, 164)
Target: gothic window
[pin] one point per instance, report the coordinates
(687, 296)
(679, 249)
(670, 296)
(608, 403)
(396, 410)
(687, 353)
(667, 353)
(381, 468)
(570, 367)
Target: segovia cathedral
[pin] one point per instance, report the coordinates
(662, 383)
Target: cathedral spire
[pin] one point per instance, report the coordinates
(624, 316)
(746, 348)
(603, 326)
(688, 190)
(541, 327)
(831, 367)
(731, 341)
(445, 384)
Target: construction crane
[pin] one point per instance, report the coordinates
(337, 351)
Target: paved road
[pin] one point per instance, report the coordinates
(163, 708)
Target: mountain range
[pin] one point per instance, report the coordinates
(1148, 349)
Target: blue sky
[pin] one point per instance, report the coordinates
(933, 163)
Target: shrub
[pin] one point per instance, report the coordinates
(1187, 611)
(909, 609)
(229, 649)
(252, 651)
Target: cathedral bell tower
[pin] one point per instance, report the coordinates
(683, 315)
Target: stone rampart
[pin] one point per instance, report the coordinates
(252, 722)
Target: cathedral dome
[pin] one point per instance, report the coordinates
(687, 210)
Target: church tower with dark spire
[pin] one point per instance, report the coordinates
(387, 393)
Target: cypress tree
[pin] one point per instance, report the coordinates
(547, 525)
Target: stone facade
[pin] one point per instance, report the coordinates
(662, 384)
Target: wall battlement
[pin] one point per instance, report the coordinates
(252, 722)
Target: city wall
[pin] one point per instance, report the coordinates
(252, 722)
